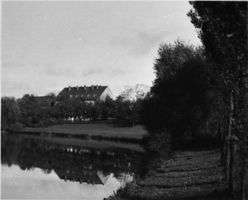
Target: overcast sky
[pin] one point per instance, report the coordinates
(50, 45)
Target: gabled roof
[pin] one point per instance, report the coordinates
(85, 92)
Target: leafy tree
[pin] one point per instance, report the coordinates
(179, 101)
(29, 109)
(222, 28)
(126, 112)
(122, 108)
(171, 57)
(134, 93)
(37, 111)
(10, 112)
(107, 108)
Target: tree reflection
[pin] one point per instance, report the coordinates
(69, 162)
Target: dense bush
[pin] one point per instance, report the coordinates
(10, 113)
(35, 113)
(182, 95)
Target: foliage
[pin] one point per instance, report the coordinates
(36, 112)
(134, 93)
(224, 36)
(222, 28)
(10, 112)
(126, 110)
(171, 57)
(181, 96)
(43, 111)
(107, 108)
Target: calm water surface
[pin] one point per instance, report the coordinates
(35, 167)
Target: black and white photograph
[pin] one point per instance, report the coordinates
(124, 100)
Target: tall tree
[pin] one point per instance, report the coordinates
(171, 57)
(29, 110)
(10, 112)
(178, 102)
(222, 28)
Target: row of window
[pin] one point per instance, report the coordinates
(92, 87)
(82, 96)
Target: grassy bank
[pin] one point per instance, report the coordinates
(96, 131)
(187, 175)
(91, 144)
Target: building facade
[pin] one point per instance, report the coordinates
(88, 94)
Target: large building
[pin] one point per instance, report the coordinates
(89, 94)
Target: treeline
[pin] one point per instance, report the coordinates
(32, 111)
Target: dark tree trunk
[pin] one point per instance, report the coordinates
(228, 143)
(245, 135)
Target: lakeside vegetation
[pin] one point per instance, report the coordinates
(28, 111)
(199, 97)
(200, 92)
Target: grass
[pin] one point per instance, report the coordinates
(97, 129)
(92, 144)
(94, 135)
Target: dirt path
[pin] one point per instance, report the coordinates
(186, 175)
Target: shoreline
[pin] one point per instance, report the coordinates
(99, 132)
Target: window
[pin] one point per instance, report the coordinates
(90, 102)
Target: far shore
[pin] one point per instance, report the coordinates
(98, 131)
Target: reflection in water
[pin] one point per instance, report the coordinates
(60, 170)
(31, 184)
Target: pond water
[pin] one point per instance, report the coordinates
(34, 167)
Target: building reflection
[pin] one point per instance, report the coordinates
(69, 162)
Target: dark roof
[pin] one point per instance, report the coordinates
(84, 92)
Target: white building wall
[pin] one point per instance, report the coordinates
(106, 93)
